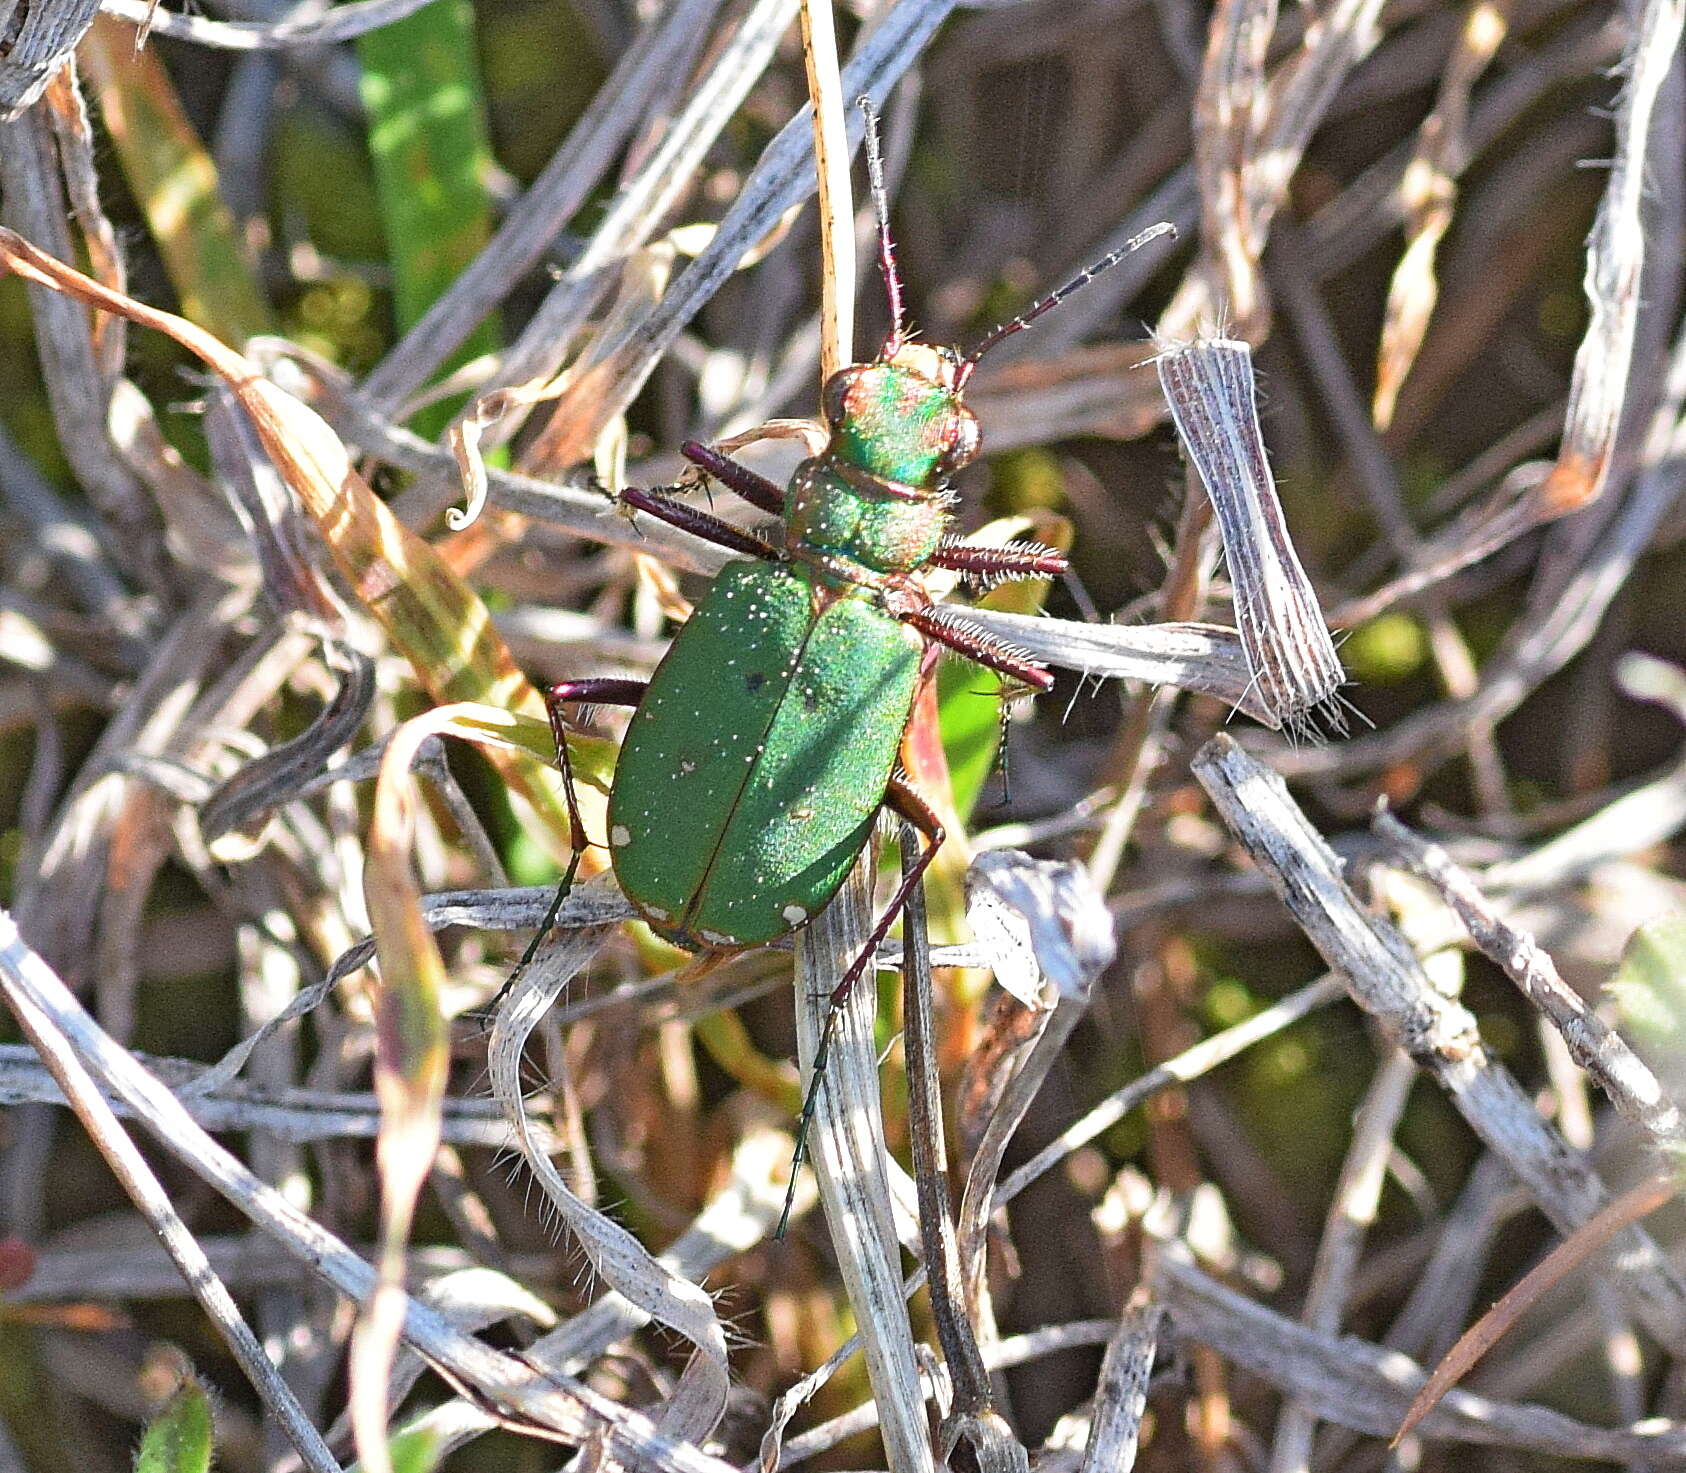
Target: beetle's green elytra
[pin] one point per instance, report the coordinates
(759, 756)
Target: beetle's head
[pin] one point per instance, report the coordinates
(901, 417)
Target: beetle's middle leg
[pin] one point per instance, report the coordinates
(906, 801)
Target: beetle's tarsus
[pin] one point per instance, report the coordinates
(564, 887)
(805, 1118)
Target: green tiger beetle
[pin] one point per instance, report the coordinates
(765, 745)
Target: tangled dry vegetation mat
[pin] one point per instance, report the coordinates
(280, 811)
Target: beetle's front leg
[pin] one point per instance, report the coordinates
(995, 564)
(734, 475)
(704, 526)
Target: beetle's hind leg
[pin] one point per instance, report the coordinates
(592, 692)
(598, 691)
(904, 800)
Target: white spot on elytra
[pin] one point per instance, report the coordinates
(714, 938)
(794, 915)
(620, 835)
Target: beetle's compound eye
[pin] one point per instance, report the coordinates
(834, 399)
(963, 440)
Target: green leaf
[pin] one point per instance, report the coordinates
(175, 181)
(179, 1439)
(1649, 990)
(969, 698)
(414, 1451)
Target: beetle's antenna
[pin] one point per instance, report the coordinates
(1054, 298)
(881, 208)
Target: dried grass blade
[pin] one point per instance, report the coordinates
(1614, 264)
(538, 1399)
(343, 23)
(972, 1419)
(280, 536)
(836, 208)
(781, 180)
(1337, 37)
(175, 181)
(74, 364)
(589, 406)
(411, 1064)
(1633, 1205)
(849, 1155)
(1189, 1065)
(534, 221)
(1352, 1212)
(1637, 1094)
(1355, 1383)
(1228, 113)
(275, 777)
(75, 133)
(1049, 936)
(40, 40)
(1205, 658)
(1121, 1391)
(1427, 194)
(149, 1195)
(1209, 386)
(739, 1216)
(433, 617)
(649, 1283)
(1385, 978)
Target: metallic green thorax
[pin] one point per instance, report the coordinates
(875, 495)
(759, 756)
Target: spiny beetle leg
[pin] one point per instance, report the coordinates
(977, 644)
(734, 475)
(700, 524)
(1014, 560)
(594, 692)
(904, 800)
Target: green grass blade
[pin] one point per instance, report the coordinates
(175, 181)
(432, 156)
